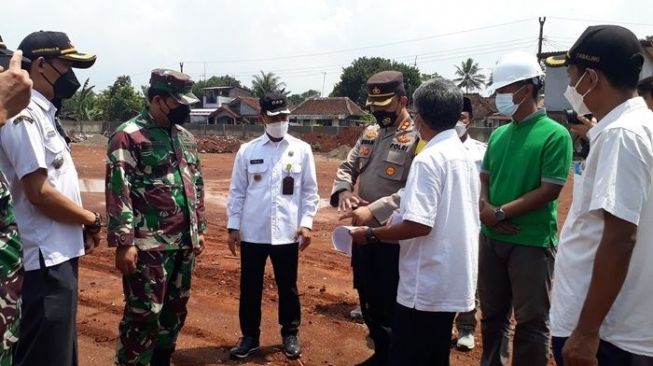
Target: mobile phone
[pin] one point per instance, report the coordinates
(5, 58)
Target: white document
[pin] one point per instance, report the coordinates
(341, 239)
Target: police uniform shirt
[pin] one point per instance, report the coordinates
(30, 142)
(257, 205)
(380, 162)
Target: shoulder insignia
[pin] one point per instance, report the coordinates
(390, 170)
(22, 118)
(404, 125)
(364, 151)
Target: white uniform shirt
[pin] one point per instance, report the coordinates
(476, 149)
(437, 272)
(617, 177)
(28, 145)
(256, 205)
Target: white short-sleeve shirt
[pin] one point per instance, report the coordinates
(616, 177)
(30, 142)
(257, 205)
(437, 272)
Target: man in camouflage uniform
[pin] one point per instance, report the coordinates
(155, 204)
(380, 162)
(14, 96)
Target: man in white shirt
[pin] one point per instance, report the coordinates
(602, 298)
(438, 234)
(466, 322)
(272, 202)
(44, 184)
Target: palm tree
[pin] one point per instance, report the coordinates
(469, 77)
(267, 83)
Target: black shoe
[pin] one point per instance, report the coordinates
(291, 347)
(246, 346)
(161, 357)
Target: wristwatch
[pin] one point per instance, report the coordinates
(96, 226)
(370, 237)
(500, 214)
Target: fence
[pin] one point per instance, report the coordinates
(243, 132)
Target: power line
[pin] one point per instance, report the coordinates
(368, 47)
(612, 21)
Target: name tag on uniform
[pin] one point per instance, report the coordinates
(288, 185)
(256, 161)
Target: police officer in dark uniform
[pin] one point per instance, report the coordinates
(379, 162)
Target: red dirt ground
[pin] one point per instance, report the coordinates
(327, 334)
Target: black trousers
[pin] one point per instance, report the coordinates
(376, 277)
(284, 262)
(608, 355)
(420, 338)
(48, 331)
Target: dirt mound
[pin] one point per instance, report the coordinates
(339, 152)
(217, 144)
(322, 142)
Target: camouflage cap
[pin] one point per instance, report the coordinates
(383, 86)
(178, 85)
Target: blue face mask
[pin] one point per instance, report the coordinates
(505, 105)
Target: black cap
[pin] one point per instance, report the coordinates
(467, 106)
(5, 57)
(384, 85)
(274, 103)
(50, 44)
(609, 48)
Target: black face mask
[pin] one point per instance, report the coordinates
(385, 119)
(66, 85)
(178, 115)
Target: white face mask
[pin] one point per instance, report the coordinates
(505, 105)
(461, 128)
(278, 130)
(576, 99)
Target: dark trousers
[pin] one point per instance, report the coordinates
(420, 338)
(284, 262)
(48, 331)
(607, 355)
(519, 277)
(467, 321)
(376, 277)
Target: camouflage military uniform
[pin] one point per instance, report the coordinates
(11, 275)
(155, 201)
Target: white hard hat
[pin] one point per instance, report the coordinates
(513, 67)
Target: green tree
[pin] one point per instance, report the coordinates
(297, 99)
(267, 83)
(469, 77)
(121, 101)
(213, 81)
(649, 38)
(354, 77)
(82, 106)
(427, 77)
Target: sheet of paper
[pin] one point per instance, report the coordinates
(342, 240)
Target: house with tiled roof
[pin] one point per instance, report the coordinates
(332, 111)
(241, 110)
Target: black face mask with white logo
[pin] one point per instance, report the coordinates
(66, 85)
(385, 119)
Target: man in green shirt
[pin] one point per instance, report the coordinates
(523, 172)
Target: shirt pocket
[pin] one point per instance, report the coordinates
(56, 155)
(156, 163)
(394, 165)
(257, 174)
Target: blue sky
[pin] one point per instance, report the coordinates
(306, 42)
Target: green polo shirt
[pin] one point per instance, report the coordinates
(519, 157)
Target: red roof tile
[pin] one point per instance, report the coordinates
(328, 107)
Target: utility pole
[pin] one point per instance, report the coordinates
(541, 38)
(415, 65)
(323, 81)
(204, 71)
(181, 67)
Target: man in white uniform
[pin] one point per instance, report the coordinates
(43, 182)
(272, 202)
